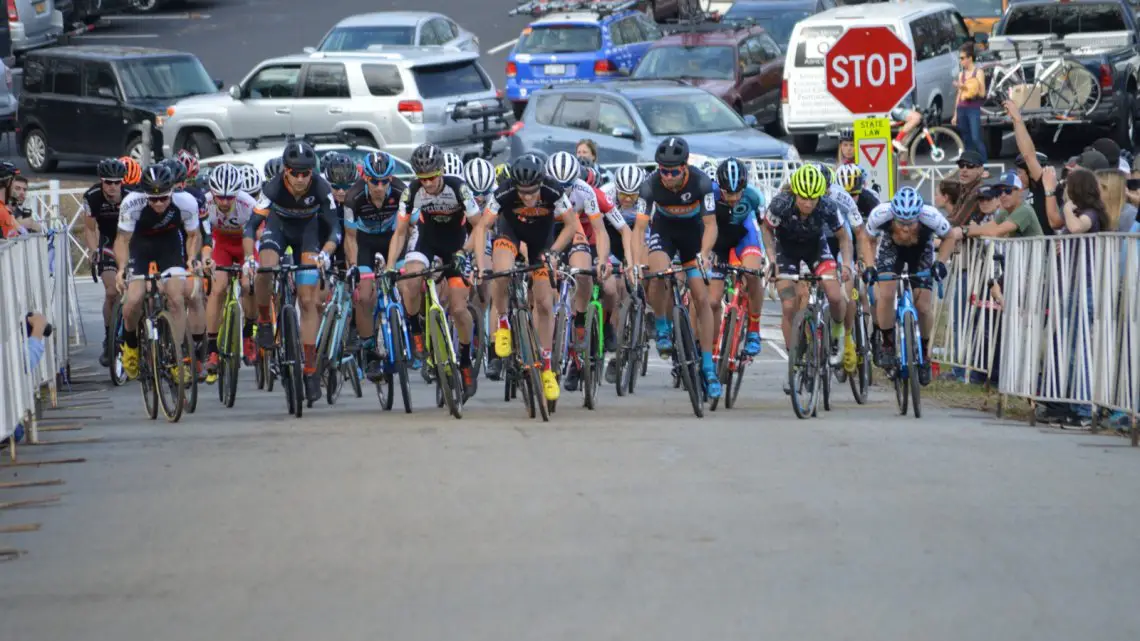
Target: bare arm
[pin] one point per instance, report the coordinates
(122, 249)
(350, 247)
(1025, 145)
(396, 245)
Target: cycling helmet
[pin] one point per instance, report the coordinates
(339, 169)
(7, 170)
(134, 170)
(589, 175)
(808, 182)
(563, 167)
(157, 180)
(907, 204)
(378, 165)
(502, 171)
(452, 165)
(480, 175)
(827, 171)
(527, 171)
(111, 169)
(542, 156)
(732, 175)
(708, 167)
(672, 152)
(427, 160)
(847, 135)
(251, 179)
(189, 161)
(226, 180)
(629, 179)
(273, 168)
(850, 177)
(299, 156)
(179, 171)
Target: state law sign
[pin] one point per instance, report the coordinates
(869, 70)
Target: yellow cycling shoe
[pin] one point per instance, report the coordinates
(550, 387)
(503, 343)
(131, 361)
(850, 357)
(181, 372)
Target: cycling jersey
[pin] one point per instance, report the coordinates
(534, 226)
(883, 216)
(442, 219)
(585, 240)
(737, 232)
(296, 221)
(105, 213)
(919, 256)
(801, 238)
(676, 217)
(157, 237)
(228, 228)
(848, 210)
(866, 201)
(374, 224)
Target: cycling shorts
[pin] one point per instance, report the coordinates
(166, 250)
(538, 239)
(302, 234)
(817, 256)
(919, 257)
(733, 244)
(677, 237)
(368, 245)
(432, 243)
(228, 250)
(833, 242)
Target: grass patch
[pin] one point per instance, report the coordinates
(983, 398)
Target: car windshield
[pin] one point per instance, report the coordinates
(164, 78)
(360, 38)
(777, 22)
(1063, 19)
(713, 63)
(979, 8)
(453, 79)
(562, 38)
(688, 113)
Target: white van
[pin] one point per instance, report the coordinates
(934, 30)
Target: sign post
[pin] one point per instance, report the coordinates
(873, 152)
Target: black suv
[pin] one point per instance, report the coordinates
(86, 103)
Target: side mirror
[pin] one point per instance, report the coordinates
(751, 121)
(235, 92)
(309, 50)
(624, 132)
(218, 84)
(107, 92)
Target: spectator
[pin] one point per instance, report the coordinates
(9, 228)
(971, 172)
(1090, 159)
(18, 193)
(1015, 219)
(947, 196)
(1111, 183)
(1084, 208)
(988, 202)
(38, 329)
(1031, 168)
(1128, 213)
(1111, 152)
(971, 86)
(587, 151)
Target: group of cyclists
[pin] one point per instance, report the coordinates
(477, 219)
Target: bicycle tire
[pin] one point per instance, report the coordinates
(114, 344)
(996, 92)
(521, 380)
(587, 359)
(736, 368)
(169, 353)
(913, 345)
(190, 355)
(686, 349)
(859, 382)
(386, 391)
(825, 364)
(231, 360)
(259, 370)
(724, 364)
(446, 370)
(400, 353)
(478, 347)
(935, 132)
(801, 367)
(1078, 91)
(325, 333)
(625, 346)
(532, 368)
(292, 368)
(637, 345)
(559, 351)
(902, 389)
(148, 369)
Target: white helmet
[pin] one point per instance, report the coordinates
(251, 179)
(480, 175)
(563, 167)
(452, 165)
(629, 179)
(226, 180)
(709, 167)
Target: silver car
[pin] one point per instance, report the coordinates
(7, 101)
(393, 101)
(36, 24)
(367, 31)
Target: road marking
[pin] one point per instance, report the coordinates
(505, 45)
(782, 353)
(168, 16)
(116, 36)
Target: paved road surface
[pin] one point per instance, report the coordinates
(635, 522)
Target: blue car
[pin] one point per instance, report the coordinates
(576, 46)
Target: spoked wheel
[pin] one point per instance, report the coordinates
(350, 369)
(259, 370)
(558, 350)
(862, 378)
(625, 347)
(912, 347)
(190, 356)
(637, 350)
(449, 384)
(169, 376)
(589, 358)
(327, 329)
(824, 338)
(148, 373)
(396, 324)
(736, 369)
(901, 374)
(724, 365)
(292, 365)
(803, 367)
(115, 347)
(478, 347)
(386, 391)
(332, 383)
(686, 354)
(532, 368)
(936, 146)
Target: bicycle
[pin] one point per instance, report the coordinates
(947, 151)
(686, 361)
(563, 329)
(523, 368)
(230, 338)
(908, 342)
(333, 363)
(160, 356)
(633, 341)
(808, 362)
(591, 358)
(194, 351)
(729, 356)
(439, 348)
(392, 340)
(287, 361)
(1067, 87)
(864, 346)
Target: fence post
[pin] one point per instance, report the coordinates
(147, 141)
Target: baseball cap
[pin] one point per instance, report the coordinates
(1019, 161)
(1010, 179)
(988, 190)
(970, 157)
(1109, 148)
(1090, 159)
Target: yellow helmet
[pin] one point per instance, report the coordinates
(809, 182)
(502, 171)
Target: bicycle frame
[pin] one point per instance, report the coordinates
(562, 303)
(904, 307)
(387, 299)
(431, 303)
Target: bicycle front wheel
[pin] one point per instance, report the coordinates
(936, 146)
(862, 378)
(686, 350)
(115, 347)
(901, 371)
(446, 370)
(803, 366)
(292, 362)
(736, 366)
(723, 366)
(1072, 91)
(589, 357)
(401, 355)
(231, 356)
(478, 347)
(193, 363)
(170, 374)
(148, 371)
(913, 363)
(532, 368)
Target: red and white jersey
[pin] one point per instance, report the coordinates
(231, 223)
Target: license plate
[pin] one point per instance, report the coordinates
(41, 8)
(554, 70)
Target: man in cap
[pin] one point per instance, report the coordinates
(1015, 219)
(970, 175)
(1035, 173)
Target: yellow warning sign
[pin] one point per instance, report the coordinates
(873, 152)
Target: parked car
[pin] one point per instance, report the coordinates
(571, 47)
(258, 157)
(739, 64)
(33, 24)
(778, 17)
(933, 30)
(396, 28)
(7, 101)
(85, 103)
(90, 12)
(628, 119)
(391, 100)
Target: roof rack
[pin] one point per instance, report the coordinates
(539, 8)
(488, 123)
(334, 138)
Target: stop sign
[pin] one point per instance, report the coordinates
(869, 70)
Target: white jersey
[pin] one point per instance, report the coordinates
(930, 217)
(135, 214)
(231, 224)
(583, 199)
(848, 209)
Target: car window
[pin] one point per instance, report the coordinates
(755, 53)
(428, 36)
(813, 44)
(1064, 19)
(925, 36)
(96, 75)
(325, 81)
(360, 38)
(576, 113)
(66, 75)
(629, 31)
(164, 78)
(616, 35)
(769, 46)
(559, 39)
(274, 82)
(450, 29)
(442, 33)
(611, 115)
(688, 113)
(649, 29)
(382, 80)
(438, 81)
(33, 75)
(711, 62)
(544, 108)
(961, 32)
(776, 22)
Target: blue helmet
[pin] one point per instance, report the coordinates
(907, 204)
(732, 175)
(379, 164)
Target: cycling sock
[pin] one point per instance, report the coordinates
(889, 338)
(415, 324)
(212, 344)
(247, 330)
(754, 323)
(706, 361)
(579, 319)
(310, 359)
(662, 326)
(546, 359)
(263, 315)
(504, 322)
(465, 355)
(131, 339)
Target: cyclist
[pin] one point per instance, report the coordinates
(738, 206)
(481, 180)
(529, 204)
(274, 167)
(853, 179)
(297, 200)
(196, 302)
(133, 176)
(341, 172)
(683, 222)
(628, 203)
(444, 204)
(907, 227)
(452, 165)
(845, 155)
(370, 220)
(794, 225)
(853, 221)
(190, 180)
(228, 210)
(251, 182)
(100, 212)
(151, 225)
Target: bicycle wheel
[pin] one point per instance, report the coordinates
(637, 345)
(115, 347)
(148, 368)
(724, 365)
(901, 374)
(912, 357)
(168, 371)
(736, 368)
(292, 362)
(862, 378)
(587, 359)
(231, 358)
(190, 357)
(940, 144)
(997, 91)
(824, 338)
(532, 370)
(325, 334)
(259, 370)
(558, 349)
(686, 351)
(1072, 90)
(400, 352)
(446, 370)
(478, 347)
(802, 366)
(625, 347)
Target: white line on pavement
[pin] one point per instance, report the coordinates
(782, 353)
(115, 36)
(505, 45)
(168, 16)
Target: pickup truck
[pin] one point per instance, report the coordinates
(1103, 36)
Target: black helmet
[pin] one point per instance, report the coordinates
(339, 169)
(427, 159)
(111, 169)
(7, 170)
(177, 169)
(541, 156)
(528, 171)
(732, 175)
(274, 167)
(299, 156)
(672, 152)
(847, 135)
(157, 180)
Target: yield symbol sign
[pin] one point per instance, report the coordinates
(873, 150)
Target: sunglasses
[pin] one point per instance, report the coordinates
(224, 199)
(529, 191)
(341, 186)
(299, 173)
(1004, 191)
(382, 181)
(669, 172)
(112, 182)
(967, 165)
(157, 199)
(426, 177)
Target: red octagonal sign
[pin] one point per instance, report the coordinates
(869, 70)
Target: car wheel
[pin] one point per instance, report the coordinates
(202, 145)
(36, 152)
(145, 6)
(806, 143)
(134, 149)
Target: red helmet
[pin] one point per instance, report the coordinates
(189, 161)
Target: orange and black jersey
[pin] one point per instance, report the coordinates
(552, 205)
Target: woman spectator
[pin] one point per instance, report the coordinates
(1084, 210)
(1111, 183)
(971, 86)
